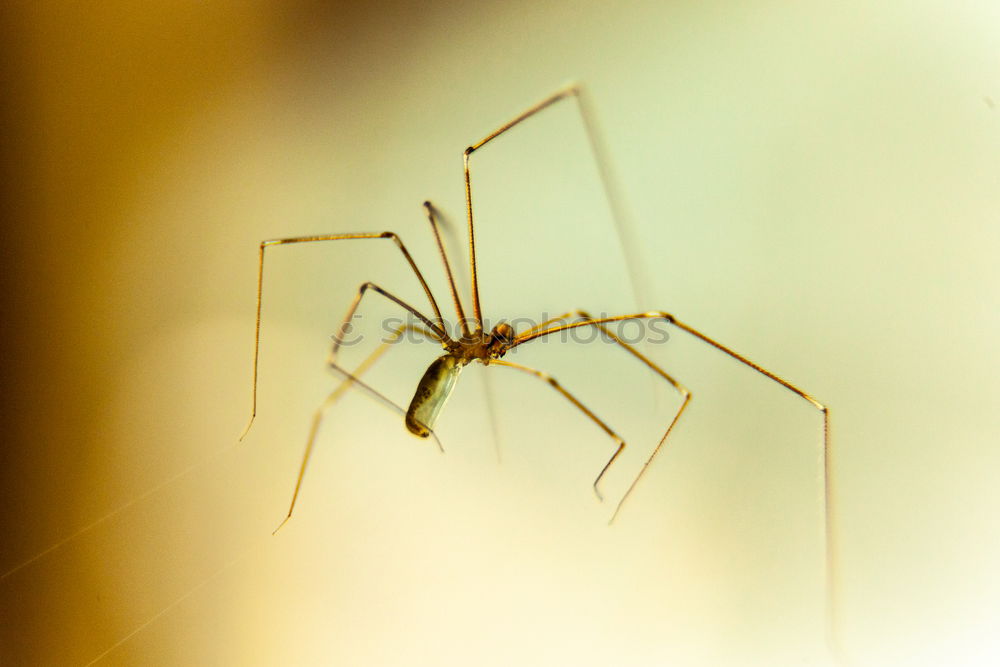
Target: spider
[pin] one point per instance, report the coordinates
(477, 345)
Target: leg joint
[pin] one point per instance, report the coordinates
(394, 236)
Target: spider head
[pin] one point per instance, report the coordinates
(501, 338)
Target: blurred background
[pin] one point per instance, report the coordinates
(815, 185)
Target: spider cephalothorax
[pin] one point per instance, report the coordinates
(501, 340)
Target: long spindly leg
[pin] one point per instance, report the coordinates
(432, 218)
(681, 389)
(619, 443)
(548, 101)
(608, 181)
(312, 239)
(828, 504)
(532, 335)
(494, 423)
(439, 334)
(351, 380)
(579, 314)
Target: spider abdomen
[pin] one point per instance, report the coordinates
(432, 393)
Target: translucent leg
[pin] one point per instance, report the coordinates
(350, 380)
